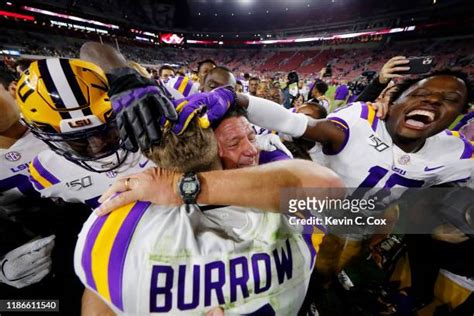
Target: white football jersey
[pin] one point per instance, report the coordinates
(14, 174)
(144, 259)
(181, 87)
(370, 159)
(245, 86)
(56, 177)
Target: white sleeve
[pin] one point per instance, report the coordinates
(272, 116)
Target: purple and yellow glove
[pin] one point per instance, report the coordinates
(210, 107)
(140, 104)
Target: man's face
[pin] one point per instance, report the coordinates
(203, 71)
(300, 84)
(239, 88)
(262, 90)
(218, 78)
(427, 108)
(166, 74)
(236, 142)
(10, 113)
(253, 85)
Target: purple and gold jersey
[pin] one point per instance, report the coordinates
(14, 181)
(370, 159)
(53, 176)
(146, 259)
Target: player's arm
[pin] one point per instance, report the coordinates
(92, 305)
(259, 187)
(106, 57)
(269, 115)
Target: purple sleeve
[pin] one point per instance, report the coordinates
(269, 156)
(352, 98)
(341, 93)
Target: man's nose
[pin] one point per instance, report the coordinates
(434, 98)
(250, 148)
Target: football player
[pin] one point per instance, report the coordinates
(180, 260)
(30, 262)
(409, 149)
(64, 103)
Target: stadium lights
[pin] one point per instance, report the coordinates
(69, 17)
(17, 16)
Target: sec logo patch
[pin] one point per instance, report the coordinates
(12, 156)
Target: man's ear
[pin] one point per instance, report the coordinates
(220, 152)
(12, 89)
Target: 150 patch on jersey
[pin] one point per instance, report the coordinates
(79, 184)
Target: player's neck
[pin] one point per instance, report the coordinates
(12, 134)
(409, 145)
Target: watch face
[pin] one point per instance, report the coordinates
(189, 187)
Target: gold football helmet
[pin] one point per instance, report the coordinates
(64, 102)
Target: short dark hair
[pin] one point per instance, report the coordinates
(239, 82)
(254, 78)
(320, 85)
(319, 106)
(7, 75)
(222, 68)
(234, 111)
(407, 83)
(206, 61)
(23, 64)
(165, 67)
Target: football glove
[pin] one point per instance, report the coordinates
(27, 264)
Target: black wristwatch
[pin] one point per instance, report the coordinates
(189, 187)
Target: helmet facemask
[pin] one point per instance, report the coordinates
(88, 148)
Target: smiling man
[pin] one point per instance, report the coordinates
(409, 148)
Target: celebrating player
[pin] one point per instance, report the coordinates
(65, 104)
(188, 257)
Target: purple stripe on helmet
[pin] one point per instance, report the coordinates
(43, 172)
(87, 251)
(119, 252)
